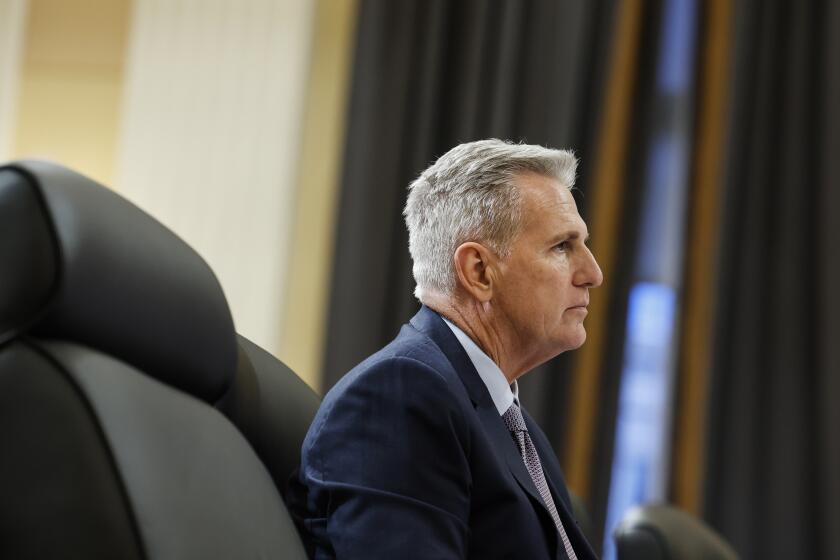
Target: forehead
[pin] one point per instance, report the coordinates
(548, 205)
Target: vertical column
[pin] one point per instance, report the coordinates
(697, 338)
(318, 181)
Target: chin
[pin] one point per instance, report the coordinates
(570, 337)
(577, 341)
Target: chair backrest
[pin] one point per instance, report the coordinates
(272, 407)
(661, 532)
(117, 352)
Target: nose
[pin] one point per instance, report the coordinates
(588, 274)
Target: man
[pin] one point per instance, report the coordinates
(423, 450)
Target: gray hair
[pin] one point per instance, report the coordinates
(470, 194)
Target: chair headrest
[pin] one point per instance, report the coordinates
(662, 531)
(80, 263)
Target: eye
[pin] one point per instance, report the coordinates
(563, 246)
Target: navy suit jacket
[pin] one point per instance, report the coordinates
(408, 458)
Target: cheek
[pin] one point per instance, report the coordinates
(558, 280)
(538, 290)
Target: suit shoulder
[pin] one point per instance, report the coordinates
(403, 376)
(401, 380)
(395, 412)
(411, 354)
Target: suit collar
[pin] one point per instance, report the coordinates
(491, 375)
(430, 323)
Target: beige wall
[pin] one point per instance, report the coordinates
(12, 22)
(70, 83)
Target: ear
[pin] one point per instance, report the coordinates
(475, 270)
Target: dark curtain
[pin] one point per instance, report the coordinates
(429, 75)
(773, 472)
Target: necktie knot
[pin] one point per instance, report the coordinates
(514, 420)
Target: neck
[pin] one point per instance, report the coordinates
(489, 329)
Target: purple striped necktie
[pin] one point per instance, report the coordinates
(516, 424)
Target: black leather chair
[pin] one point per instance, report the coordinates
(134, 422)
(272, 407)
(661, 532)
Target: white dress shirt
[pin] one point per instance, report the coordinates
(503, 395)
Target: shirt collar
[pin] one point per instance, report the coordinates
(503, 395)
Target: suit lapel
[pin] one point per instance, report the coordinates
(501, 440)
(430, 323)
(553, 476)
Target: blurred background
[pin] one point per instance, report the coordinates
(278, 137)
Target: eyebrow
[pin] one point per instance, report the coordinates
(569, 236)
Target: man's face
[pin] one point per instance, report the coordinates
(543, 288)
